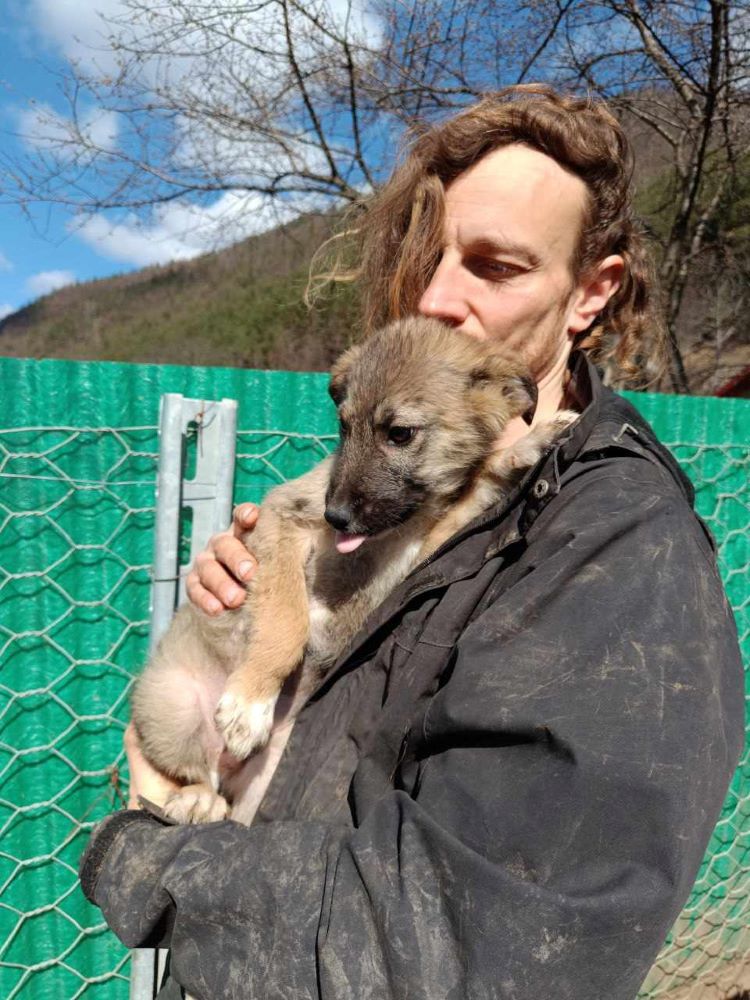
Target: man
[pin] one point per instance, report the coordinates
(506, 787)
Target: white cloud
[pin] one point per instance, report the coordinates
(79, 29)
(6, 310)
(76, 29)
(101, 127)
(5, 264)
(42, 128)
(181, 230)
(49, 281)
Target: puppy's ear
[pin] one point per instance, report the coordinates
(337, 389)
(338, 385)
(523, 394)
(512, 379)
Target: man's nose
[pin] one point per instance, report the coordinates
(443, 298)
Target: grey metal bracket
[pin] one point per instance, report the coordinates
(209, 494)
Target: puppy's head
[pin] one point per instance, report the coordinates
(420, 409)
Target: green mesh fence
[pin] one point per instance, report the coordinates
(707, 954)
(78, 450)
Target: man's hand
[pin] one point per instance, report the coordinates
(213, 583)
(145, 780)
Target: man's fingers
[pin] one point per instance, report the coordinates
(244, 518)
(216, 579)
(130, 739)
(144, 779)
(201, 597)
(211, 577)
(232, 554)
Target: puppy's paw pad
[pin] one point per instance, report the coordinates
(244, 724)
(196, 804)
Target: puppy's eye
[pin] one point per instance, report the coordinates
(401, 435)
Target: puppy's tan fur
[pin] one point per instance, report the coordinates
(206, 700)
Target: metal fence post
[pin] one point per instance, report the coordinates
(209, 493)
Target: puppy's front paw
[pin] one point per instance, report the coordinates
(244, 724)
(196, 804)
(563, 419)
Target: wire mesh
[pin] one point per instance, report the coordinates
(76, 532)
(76, 517)
(707, 955)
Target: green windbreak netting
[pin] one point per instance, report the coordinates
(78, 455)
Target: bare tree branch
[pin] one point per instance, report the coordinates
(300, 102)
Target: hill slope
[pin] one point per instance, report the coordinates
(239, 306)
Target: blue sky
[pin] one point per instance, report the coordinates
(48, 247)
(40, 252)
(36, 253)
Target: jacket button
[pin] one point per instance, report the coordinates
(541, 488)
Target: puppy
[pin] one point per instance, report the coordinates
(420, 409)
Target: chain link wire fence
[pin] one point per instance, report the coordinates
(77, 514)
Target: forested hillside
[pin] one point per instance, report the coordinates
(240, 306)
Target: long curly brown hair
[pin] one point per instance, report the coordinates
(396, 236)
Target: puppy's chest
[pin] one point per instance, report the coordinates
(343, 590)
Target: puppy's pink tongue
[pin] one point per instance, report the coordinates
(348, 543)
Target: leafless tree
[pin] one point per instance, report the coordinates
(302, 102)
(293, 99)
(681, 69)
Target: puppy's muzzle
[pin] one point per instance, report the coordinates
(339, 517)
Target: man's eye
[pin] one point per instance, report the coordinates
(401, 435)
(489, 268)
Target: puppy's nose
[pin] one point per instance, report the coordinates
(338, 517)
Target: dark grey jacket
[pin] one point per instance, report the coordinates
(505, 787)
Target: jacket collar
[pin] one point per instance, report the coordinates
(610, 421)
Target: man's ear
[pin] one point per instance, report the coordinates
(337, 387)
(594, 292)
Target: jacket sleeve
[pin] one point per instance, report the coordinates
(572, 766)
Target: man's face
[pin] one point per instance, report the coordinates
(512, 223)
